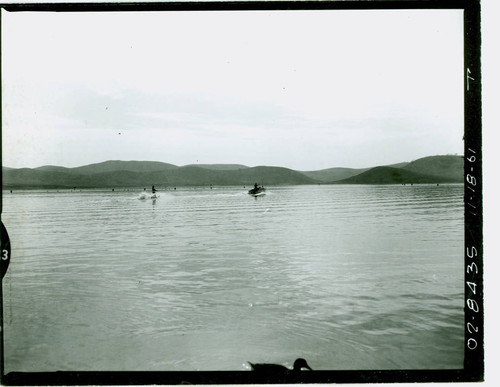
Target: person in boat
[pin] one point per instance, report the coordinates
(153, 189)
(255, 187)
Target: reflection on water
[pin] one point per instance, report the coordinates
(348, 277)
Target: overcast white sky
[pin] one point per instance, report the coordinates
(301, 89)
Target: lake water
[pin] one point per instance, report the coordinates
(348, 277)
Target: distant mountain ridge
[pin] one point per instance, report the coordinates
(451, 166)
(116, 173)
(389, 175)
(220, 167)
(109, 166)
(335, 174)
(178, 176)
(431, 169)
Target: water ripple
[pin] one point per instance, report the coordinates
(350, 277)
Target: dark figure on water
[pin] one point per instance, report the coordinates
(278, 368)
(153, 189)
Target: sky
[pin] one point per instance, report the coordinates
(306, 90)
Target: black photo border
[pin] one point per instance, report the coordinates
(473, 369)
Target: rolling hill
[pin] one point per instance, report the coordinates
(178, 176)
(451, 166)
(219, 167)
(53, 168)
(115, 173)
(117, 165)
(335, 174)
(390, 175)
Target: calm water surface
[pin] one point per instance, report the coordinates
(348, 277)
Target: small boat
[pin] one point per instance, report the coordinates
(256, 190)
